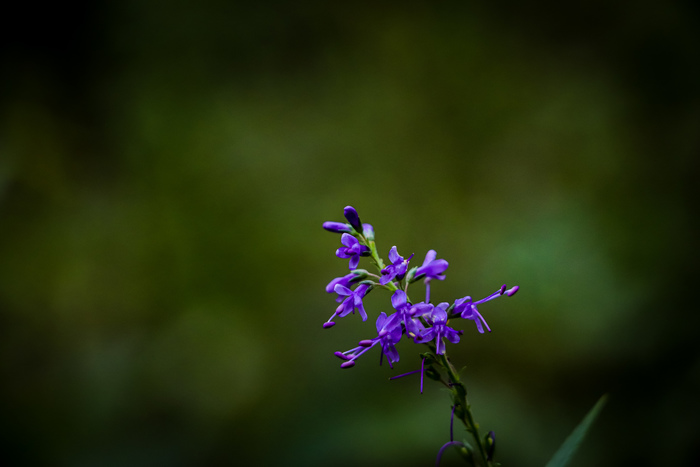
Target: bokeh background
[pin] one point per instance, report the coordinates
(165, 168)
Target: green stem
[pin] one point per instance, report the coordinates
(462, 407)
(378, 262)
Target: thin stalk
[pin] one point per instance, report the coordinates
(459, 395)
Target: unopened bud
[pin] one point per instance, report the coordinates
(337, 227)
(368, 232)
(353, 218)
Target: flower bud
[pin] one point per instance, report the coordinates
(490, 440)
(410, 277)
(368, 232)
(353, 218)
(337, 227)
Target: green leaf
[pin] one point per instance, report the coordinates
(568, 449)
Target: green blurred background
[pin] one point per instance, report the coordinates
(165, 168)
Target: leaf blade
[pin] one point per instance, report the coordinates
(567, 450)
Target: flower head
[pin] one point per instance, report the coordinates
(352, 249)
(432, 268)
(346, 280)
(439, 329)
(352, 300)
(397, 268)
(410, 314)
(389, 332)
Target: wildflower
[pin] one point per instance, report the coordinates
(352, 249)
(467, 308)
(409, 313)
(346, 280)
(439, 329)
(397, 268)
(432, 268)
(352, 301)
(389, 332)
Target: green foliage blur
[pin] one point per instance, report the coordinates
(165, 168)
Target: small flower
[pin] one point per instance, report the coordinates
(432, 268)
(353, 218)
(467, 308)
(389, 332)
(439, 329)
(352, 301)
(346, 280)
(409, 313)
(397, 268)
(352, 249)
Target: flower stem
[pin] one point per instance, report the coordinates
(462, 407)
(378, 262)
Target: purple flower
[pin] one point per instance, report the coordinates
(389, 332)
(352, 301)
(439, 329)
(432, 268)
(337, 227)
(352, 249)
(467, 308)
(397, 268)
(409, 314)
(353, 218)
(346, 280)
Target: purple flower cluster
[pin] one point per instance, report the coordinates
(422, 322)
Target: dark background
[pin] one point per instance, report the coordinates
(165, 168)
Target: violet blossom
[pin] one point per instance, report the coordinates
(346, 280)
(352, 301)
(389, 333)
(409, 313)
(439, 329)
(352, 249)
(397, 269)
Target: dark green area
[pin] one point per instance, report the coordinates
(165, 168)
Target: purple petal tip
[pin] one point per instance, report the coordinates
(365, 343)
(348, 364)
(512, 291)
(329, 324)
(341, 355)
